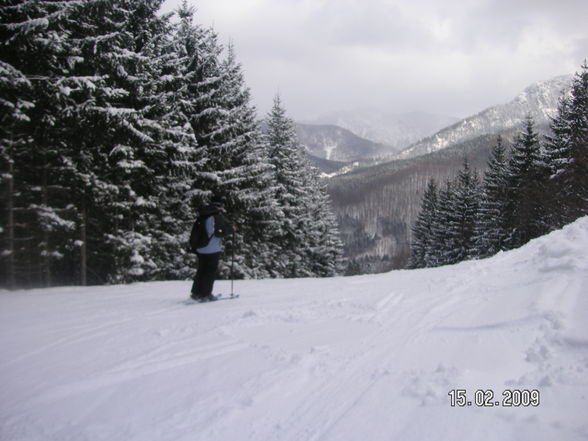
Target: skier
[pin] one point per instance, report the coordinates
(206, 241)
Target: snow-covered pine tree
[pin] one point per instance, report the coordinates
(143, 153)
(202, 104)
(461, 225)
(525, 217)
(36, 49)
(556, 156)
(422, 233)
(106, 133)
(176, 162)
(491, 231)
(247, 182)
(15, 88)
(575, 176)
(326, 246)
(125, 128)
(126, 155)
(285, 154)
(440, 244)
(136, 147)
(224, 122)
(566, 155)
(304, 236)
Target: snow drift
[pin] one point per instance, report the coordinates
(359, 358)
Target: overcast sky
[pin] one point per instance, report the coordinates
(453, 57)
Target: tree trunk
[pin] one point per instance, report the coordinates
(84, 248)
(45, 258)
(10, 226)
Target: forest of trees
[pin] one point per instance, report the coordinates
(117, 125)
(529, 189)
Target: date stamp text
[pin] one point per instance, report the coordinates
(488, 398)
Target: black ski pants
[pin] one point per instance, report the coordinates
(206, 274)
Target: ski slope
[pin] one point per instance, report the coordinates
(359, 358)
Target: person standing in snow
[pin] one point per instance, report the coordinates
(206, 240)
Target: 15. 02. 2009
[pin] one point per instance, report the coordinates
(486, 398)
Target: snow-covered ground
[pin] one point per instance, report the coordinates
(359, 358)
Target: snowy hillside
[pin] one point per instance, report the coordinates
(539, 100)
(360, 358)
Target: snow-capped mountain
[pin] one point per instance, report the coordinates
(539, 100)
(376, 206)
(393, 129)
(338, 144)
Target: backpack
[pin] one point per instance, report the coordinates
(199, 237)
(221, 225)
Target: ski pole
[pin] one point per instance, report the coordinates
(232, 261)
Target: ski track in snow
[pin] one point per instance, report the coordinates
(367, 357)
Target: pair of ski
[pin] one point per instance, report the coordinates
(217, 296)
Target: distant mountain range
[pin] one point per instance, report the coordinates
(365, 136)
(376, 206)
(369, 136)
(539, 100)
(335, 143)
(392, 129)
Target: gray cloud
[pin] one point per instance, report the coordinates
(452, 57)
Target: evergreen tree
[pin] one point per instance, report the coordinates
(37, 53)
(422, 232)
(175, 179)
(526, 177)
(237, 165)
(307, 237)
(106, 149)
(556, 156)
(566, 153)
(440, 243)
(135, 148)
(326, 247)
(462, 216)
(286, 156)
(15, 90)
(116, 126)
(202, 102)
(246, 177)
(491, 231)
(524, 196)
